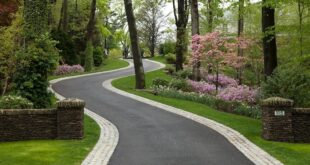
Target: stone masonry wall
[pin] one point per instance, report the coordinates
(65, 122)
(281, 122)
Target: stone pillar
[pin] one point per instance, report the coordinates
(70, 119)
(277, 119)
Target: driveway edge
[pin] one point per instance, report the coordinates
(249, 149)
(109, 135)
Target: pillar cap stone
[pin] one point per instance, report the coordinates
(277, 101)
(71, 103)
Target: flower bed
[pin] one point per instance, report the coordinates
(67, 69)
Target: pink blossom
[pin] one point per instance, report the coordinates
(67, 69)
(240, 93)
(202, 87)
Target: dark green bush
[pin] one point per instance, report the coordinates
(226, 106)
(15, 102)
(160, 82)
(38, 60)
(180, 84)
(170, 58)
(291, 82)
(98, 56)
(66, 46)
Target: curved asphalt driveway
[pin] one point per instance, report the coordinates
(148, 135)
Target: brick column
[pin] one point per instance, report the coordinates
(277, 119)
(70, 119)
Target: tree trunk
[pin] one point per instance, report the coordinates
(240, 32)
(181, 19)
(139, 71)
(63, 21)
(195, 30)
(92, 21)
(300, 15)
(269, 39)
(210, 16)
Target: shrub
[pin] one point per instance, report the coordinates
(202, 87)
(184, 74)
(35, 63)
(170, 69)
(115, 53)
(66, 46)
(15, 102)
(291, 83)
(170, 58)
(167, 47)
(98, 56)
(160, 82)
(179, 84)
(226, 106)
(223, 80)
(250, 111)
(89, 59)
(67, 69)
(241, 93)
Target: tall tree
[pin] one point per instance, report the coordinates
(195, 31)
(89, 37)
(150, 19)
(181, 19)
(63, 22)
(269, 38)
(139, 71)
(210, 15)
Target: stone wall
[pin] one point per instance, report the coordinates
(65, 122)
(281, 122)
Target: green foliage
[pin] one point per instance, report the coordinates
(180, 84)
(167, 47)
(115, 53)
(35, 63)
(291, 82)
(15, 102)
(170, 69)
(250, 111)
(36, 13)
(160, 82)
(170, 58)
(66, 46)
(184, 74)
(98, 56)
(89, 59)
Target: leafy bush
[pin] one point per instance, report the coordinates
(160, 82)
(184, 74)
(223, 80)
(250, 111)
(179, 84)
(202, 87)
(66, 46)
(241, 93)
(98, 56)
(291, 83)
(36, 62)
(170, 58)
(115, 53)
(226, 106)
(170, 69)
(167, 47)
(89, 59)
(15, 102)
(67, 69)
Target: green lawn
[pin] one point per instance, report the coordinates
(288, 153)
(109, 64)
(50, 152)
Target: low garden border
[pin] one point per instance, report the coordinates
(65, 122)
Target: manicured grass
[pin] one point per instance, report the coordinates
(159, 59)
(109, 64)
(50, 152)
(288, 153)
